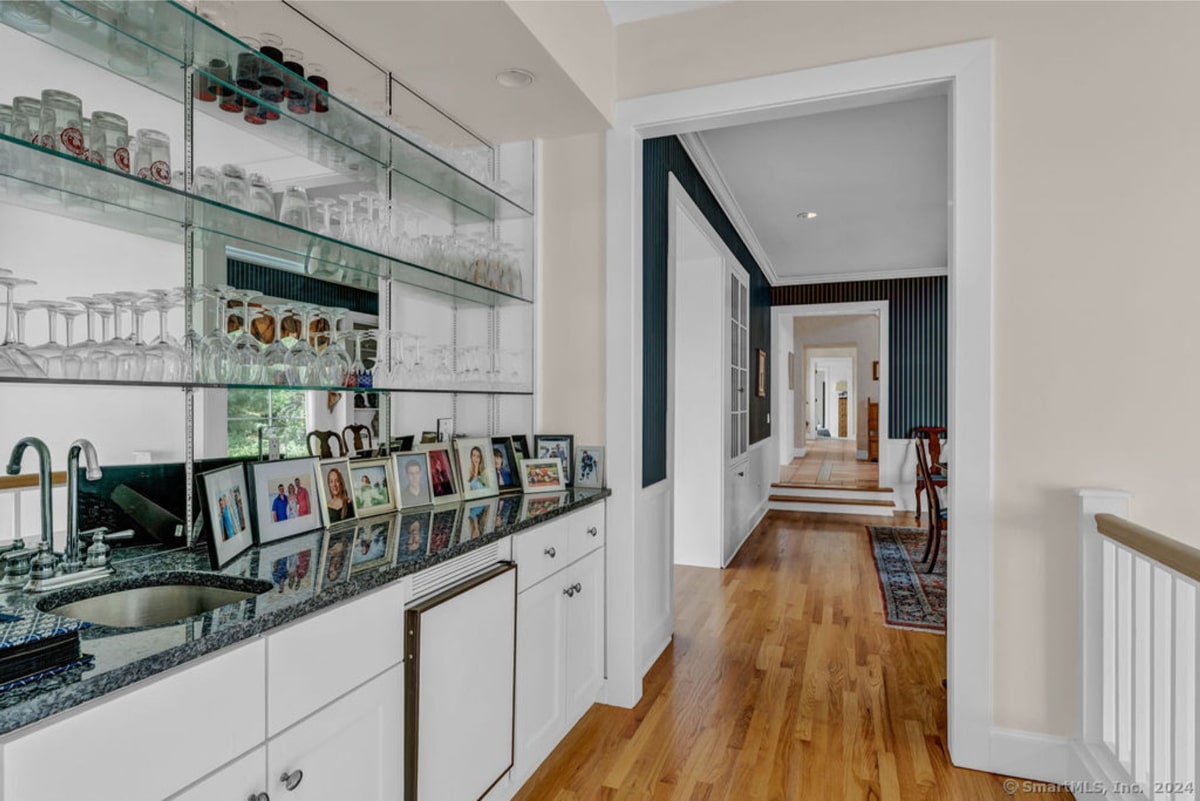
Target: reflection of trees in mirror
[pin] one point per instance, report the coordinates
(251, 409)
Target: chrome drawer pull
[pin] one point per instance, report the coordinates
(292, 780)
(593, 531)
(550, 552)
(578, 587)
(569, 592)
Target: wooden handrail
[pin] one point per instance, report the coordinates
(1174, 554)
(57, 479)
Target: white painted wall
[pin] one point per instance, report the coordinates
(1067, 154)
(857, 331)
(834, 372)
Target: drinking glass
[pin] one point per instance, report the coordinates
(129, 362)
(316, 76)
(248, 350)
(246, 75)
(216, 357)
(333, 364)
(60, 125)
(294, 209)
(270, 74)
(27, 118)
(235, 189)
(110, 137)
(6, 119)
(324, 208)
(72, 362)
(275, 350)
(130, 26)
(221, 84)
(95, 361)
(262, 199)
(25, 15)
(49, 353)
(302, 356)
(165, 349)
(152, 157)
(18, 360)
(350, 226)
(206, 183)
(295, 88)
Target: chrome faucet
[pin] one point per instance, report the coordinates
(72, 560)
(14, 468)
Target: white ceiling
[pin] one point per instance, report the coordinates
(625, 11)
(876, 175)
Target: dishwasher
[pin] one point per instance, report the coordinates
(459, 687)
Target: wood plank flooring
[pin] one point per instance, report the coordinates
(831, 463)
(781, 684)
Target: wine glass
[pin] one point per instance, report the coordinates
(302, 356)
(275, 349)
(128, 365)
(217, 358)
(247, 348)
(333, 364)
(165, 348)
(49, 354)
(96, 362)
(17, 360)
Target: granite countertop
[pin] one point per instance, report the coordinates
(307, 573)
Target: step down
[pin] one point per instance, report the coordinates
(831, 487)
(833, 501)
(841, 506)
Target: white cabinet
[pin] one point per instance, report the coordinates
(244, 778)
(349, 749)
(560, 637)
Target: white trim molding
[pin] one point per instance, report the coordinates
(966, 70)
(843, 278)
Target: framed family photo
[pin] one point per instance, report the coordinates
(373, 484)
(521, 446)
(589, 466)
(412, 475)
(556, 446)
(443, 484)
(374, 544)
(541, 475)
(226, 510)
(477, 467)
(505, 456)
(286, 501)
(337, 502)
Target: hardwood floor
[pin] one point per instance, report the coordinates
(781, 684)
(831, 462)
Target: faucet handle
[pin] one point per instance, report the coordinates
(97, 552)
(44, 562)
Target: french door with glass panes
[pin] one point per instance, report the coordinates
(737, 304)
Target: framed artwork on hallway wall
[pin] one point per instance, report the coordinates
(761, 389)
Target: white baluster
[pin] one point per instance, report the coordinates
(1162, 666)
(1109, 651)
(1124, 749)
(1143, 624)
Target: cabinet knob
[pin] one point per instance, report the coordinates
(259, 797)
(743, 473)
(593, 531)
(550, 552)
(292, 780)
(578, 587)
(569, 592)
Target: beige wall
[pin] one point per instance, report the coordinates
(572, 287)
(857, 331)
(1097, 192)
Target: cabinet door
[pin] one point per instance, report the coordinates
(585, 634)
(541, 671)
(244, 778)
(350, 749)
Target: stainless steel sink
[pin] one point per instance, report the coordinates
(155, 605)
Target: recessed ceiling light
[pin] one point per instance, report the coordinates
(807, 215)
(514, 78)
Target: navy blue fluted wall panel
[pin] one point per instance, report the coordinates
(660, 158)
(917, 336)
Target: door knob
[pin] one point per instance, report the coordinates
(292, 780)
(550, 552)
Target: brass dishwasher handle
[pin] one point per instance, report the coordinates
(292, 780)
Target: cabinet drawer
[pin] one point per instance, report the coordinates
(319, 659)
(585, 531)
(245, 778)
(149, 743)
(540, 552)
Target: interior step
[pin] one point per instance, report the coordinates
(830, 487)
(809, 491)
(841, 506)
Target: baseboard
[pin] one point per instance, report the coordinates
(1033, 757)
(657, 643)
(860, 456)
(759, 514)
(799, 453)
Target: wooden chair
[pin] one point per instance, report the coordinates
(358, 431)
(325, 439)
(937, 514)
(934, 435)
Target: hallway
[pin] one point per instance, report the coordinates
(781, 684)
(831, 463)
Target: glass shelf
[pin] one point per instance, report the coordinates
(288, 387)
(50, 181)
(161, 40)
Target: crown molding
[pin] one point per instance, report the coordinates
(711, 173)
(845, 278)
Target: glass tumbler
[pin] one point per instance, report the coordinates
(27, 118)
(295, 87)
(6, 119)
(294, 209)
(235, 190)
(152, 159)
(246, 75)
(270, 73)
(207, 183)
(110, 137)
(262, 199)
(26, 15)
(316, 76)
(61, 126)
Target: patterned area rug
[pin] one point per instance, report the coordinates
(912, 599)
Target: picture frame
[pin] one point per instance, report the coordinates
(761, 387)
(589, 466)
(478, 519)
(374, 544)
(445, 429)
(286, 499)
(521, 446)
(335, 557)
(477, 471)
(291, 566)
(505, 457)
(443, 529)
(412, 538)
(561, 446)
(412, 479)
(337, 501)
(534, 506)
(542, 475)
(443, 477)
(373, 484)
(226, 509)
